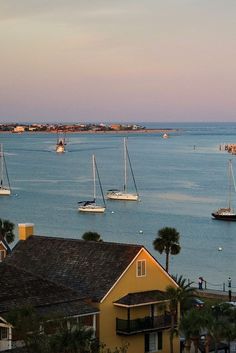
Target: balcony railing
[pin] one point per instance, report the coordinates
(131, 327)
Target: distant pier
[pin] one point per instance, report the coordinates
(230, 147)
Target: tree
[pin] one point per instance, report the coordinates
(177, 296)
(191, 324)
(6, 231)
(168, 242)
(91, 236)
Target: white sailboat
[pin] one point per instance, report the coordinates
(227, 213)
(92, 206)
(124, 195)
(5, 189)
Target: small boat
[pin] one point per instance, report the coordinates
(91, 205)
(165, 136)
(61, 143)
(123, 195)
(5, 188)
(227, 213)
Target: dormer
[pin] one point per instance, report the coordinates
(4, 249)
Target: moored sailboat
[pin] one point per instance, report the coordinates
(124, 195)
(5, 188)
(91, 205)
(227, 213)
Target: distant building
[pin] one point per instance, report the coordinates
(18, 129)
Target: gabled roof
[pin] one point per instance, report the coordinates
(19, 288)
(5, 245)
(90, 268)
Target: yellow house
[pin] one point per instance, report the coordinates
(123, 281)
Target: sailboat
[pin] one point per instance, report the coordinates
(92, 206)
(228, 213)
(124, 195)
(5, 189)
(61, 143)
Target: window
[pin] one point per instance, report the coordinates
(3, 333)
(153, 342)
(141, 268)
(2, 255)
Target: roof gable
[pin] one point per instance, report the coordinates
(154, 262)
(5, 245)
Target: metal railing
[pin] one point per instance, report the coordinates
(147, 323)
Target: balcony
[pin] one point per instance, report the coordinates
(132, 327)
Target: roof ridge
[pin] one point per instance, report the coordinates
(85, 241)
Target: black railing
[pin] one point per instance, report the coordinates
(130, 327)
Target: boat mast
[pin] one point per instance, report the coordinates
(125, 159)
(132, 172)
(231, 178)
(99, 180)
(94, 179)
(1, 156)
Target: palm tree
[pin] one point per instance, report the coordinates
(191, 324)
(6, 231)
(91, 236)
(168, 242)
(177, 299)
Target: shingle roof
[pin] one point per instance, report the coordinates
(142, 298)
(90, 268)
(19, 288)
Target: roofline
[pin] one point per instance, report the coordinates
(143, 304)
(156, 262)
(4, 321)
(2, 242)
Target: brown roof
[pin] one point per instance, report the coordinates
(141, 298)
(90, 268)
(19, 288)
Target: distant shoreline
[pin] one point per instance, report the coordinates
(144, 131)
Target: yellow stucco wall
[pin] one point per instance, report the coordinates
(155, 279)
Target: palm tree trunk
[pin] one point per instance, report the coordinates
(172, 332)
(167, 261)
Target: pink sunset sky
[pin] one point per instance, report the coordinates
(126, 60)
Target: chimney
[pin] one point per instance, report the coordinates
(25, 230)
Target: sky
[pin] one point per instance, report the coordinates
(118, 61)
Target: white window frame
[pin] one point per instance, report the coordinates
(156, 342)
(2, 255)
(142, 268)
(4, 337)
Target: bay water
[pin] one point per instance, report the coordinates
(181, 180)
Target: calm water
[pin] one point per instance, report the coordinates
(180, 186)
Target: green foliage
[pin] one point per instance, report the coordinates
(167, 242)
(32, 329)
(6, 230)
(91, 236)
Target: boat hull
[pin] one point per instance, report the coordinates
(5, 192)
(92, 209)
(122, 196)
(60, 149)
(224, 217)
